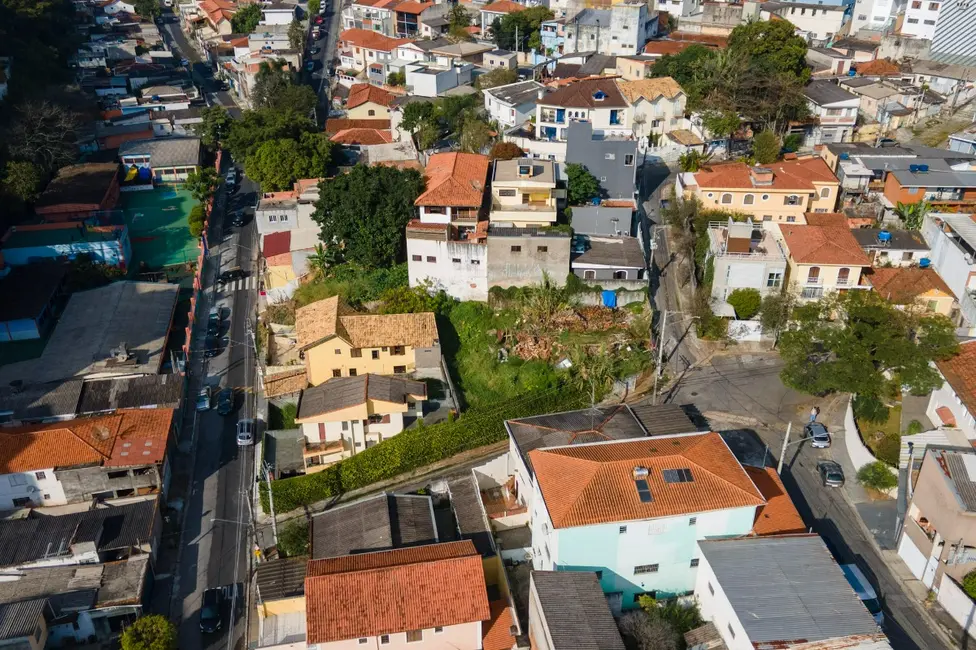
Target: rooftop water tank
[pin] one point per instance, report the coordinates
(923, 168)
(913, 168)
(884, 237)
(924, 263)
(845, 156)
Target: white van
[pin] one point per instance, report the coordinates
(864, 591)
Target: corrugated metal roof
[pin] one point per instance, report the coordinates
(575, 611)
(283, 578)
(787, 589)
(469, 512)
(384, 522)
(663, 419)
(18, 620)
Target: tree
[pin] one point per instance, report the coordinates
(314, 6)
(203, 183)
(526, 24)
(297, 36)
(687, 67)
(858, 342)
(693, 160)
(277, 164)
(293, 540)
(505, 151)
(582, 186)
(969, 584)
(912, 215)
(195, 221)
(415, 113)
(428, 134)
(366, 211)
(460, 20)
(43, 133)
(475, 134)
(774, 44)
(497, 77)
(765, 147)
(215, 126)
(775, 312)
(793, 141)
(152, 632)
(247, 18)
(722, 123)
(396, 79)
(643, 632)
(412, 300)
(322, 259)
(257, 127)
(23, 180)
(149, 9)
(273, 78)
(745, 302)
(877, 476)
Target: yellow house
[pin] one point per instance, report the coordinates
(339, 342)
(822, 259)
(922, 288)
(345, 415)
(780, 192)
(367, 101)
(523, 192)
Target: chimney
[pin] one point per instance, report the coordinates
(761, 175)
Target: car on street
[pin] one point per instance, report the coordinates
(203, 399)
(820, 439)
(213, 322)
(184, 62)
(225, 401)
(230, 275)
(319, 20)
(316, 34)
(245, 432)
(231, 176)
(211, 346)
(314, 51)
(859, 582)
(312, 65)
(211, 610)
(831, 473)
(238, 219)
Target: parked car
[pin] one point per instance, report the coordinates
(245, 432)
(314, 51)
(864, 590)
(203, 399)
(212, 610)
(231, 177)
(211, 346)
(225, 401)
(831, 473)
(213, 322)
(312, 65)
(817, 431)
(231, 274)
(318, 20)
(238, 218)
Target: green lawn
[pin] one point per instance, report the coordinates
(883, 438)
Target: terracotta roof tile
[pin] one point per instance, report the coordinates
(363, 137)
(835, 219)
(594, 484)
(303, 184)
(122, 439)
(946, 416)
(455, 179)
(291, 381)
(823, 245)
(800, 174)
(650, 89)
(960, 372)
(496, 634)
(371, 40)
(711, 40)
(413, 7)
(341, 124)
(360, 94)
(395, 591)
(276, 243)
(905, 285)
(666, 47)
(330, 317)
(583, 94)
(504, 7)
(779, 515)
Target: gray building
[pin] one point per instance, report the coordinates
(610, 262)
(380, 523)
(567, 610)
(518, 257)
(613, 161)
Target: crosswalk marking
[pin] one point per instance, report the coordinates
(248, 283)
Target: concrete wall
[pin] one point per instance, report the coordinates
(856, 449)
(616, 176)
(32, 485)
(82, 483)
(459, 268)
(538, 256)
(715, 607)
(959, 605)
(466, 636)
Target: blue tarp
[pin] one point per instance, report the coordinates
(609, 299)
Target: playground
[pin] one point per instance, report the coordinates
(157, 222)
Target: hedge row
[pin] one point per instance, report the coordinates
(413, 448)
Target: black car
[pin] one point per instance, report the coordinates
(225, 401)
(230, 275)
(238, 219)
(211, 611)
(315, 50)
(211, 346)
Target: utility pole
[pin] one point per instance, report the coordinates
(782, 453)
(274, 519)
(660, 353)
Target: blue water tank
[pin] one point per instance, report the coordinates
(884, 237)
(845, 156)
(595, 200)
(924, 263)
(923, 168)
(852, 72)
(913, 168)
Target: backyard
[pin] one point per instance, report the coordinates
(158, 227)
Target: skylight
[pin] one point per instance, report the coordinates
(677, 476)
(643, 491)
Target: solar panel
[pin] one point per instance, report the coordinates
(643, 491)
(678, 476)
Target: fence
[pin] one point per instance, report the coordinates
(856, 449)
(958, 604)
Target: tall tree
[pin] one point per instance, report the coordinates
(773, 44)
(148, 9)
(272, 78)
(23, 180)
(416, 112)
(765, 147)
(277, 164)
(203, 183)
(153, 632)
(366, 212)
(497, 77)
(519, 31)
(215, 126)
(255, 127)
(475, 134)
(582, 186)
(247, 18)
(44, 133)
(297, 36)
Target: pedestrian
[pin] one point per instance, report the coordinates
(814, 412)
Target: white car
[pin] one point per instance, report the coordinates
(245, 432)
(203, 399)
(231, 177)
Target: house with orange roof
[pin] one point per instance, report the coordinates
(953, 405)
(780, 192)
(497, 9)
(658, 105)
(359, 48)
(367, 101)
(108, 456)
(823, 259)
(634, 510)
(915, 288)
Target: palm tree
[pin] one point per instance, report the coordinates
(693, 160)
(544, 301)
(912, 215)
(320, 261)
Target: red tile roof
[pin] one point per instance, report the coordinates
(341, 124)
(583, 94)
(904, 286)
(413, 7)
(360, 94)
(960, 372)
(122, 439)
(779, 515)
(823, 245)
(702, 39)
(455, 179)
(394, 591)
(504, 7)
(666, 47)
(276, 243)
(800, 174)
(363, 137)
(946, 416)
(594, 484)
(303, 184)
(371, 40)
(496, 634)
(838, 219)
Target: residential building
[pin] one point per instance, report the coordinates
(658, 104)
(360, 48)
(757, 595)
(937, 540)
(384, 522)
(88, 458)
(964, 141)
(952, 42)
(500, 59)
(338, 342)
(423, 51)
(120, 329)
(598, 101)
(898, 248)
(745, 256)
(835, 110)
(612, 161)
(367, 101)
(567, 610)
(823, 259)
(679, 489)
(168, 160)
(513, 104)
(28, 298)
(609, 262)
(269, 38)
(828, 62)
(291, 211)
(370, 16)
(280, 595)
(495, 11)
(915, 288)
(409, 14)
(78, 191)
(881, 102)
(277, 13)
(434, 596)
(430, 80)
(780, 192)
(285, 263)
(26, 625)
(950, 74)
(621, 29)
(520, 257)
(818, 23)
(953, 405)
(345, 415)
(636, 66)
(455, 190)
(25, 245)
(874, 15)
(523, 193)
(952, 238)
(951, 190)
(920, 19)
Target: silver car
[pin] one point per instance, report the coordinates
(203, 399)
(245, 432)
(831, 474)
(818, 432)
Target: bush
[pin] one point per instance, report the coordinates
(505, 151)
(412, 300)
(877, 476)
(746, 302)
(153, 632)
(282, 417)
(870, 408)
(969, 584)
(196, 219)
(293, 538)
(354, 284)
(415, 448)
(915, 427)
(888, 449)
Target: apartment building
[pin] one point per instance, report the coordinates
(359, 48)
(513, 104)
(658, 105)
(598, 101)
(950, 190)
(818, 23)
(620, 29)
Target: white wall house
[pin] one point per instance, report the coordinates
(277, 14)
(429, 80)
(953, 405)
(618, 30)
(597, 101)
(817, 23)
(921, 17)
(513, 104)
(952, 238)
(30, 489)
(835, 110)
(460, 268)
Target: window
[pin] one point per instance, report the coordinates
(694, 563)
(861, 16)
(21, 502)
(629, 160)
(589, 275)
(399, 370)
(336, 373)
(813, 293)
(283, 218)
(726, 198)
(774, 280)
(748, 199)
(363, 641)
(792, 199)
(912, 21)
(417, 258)
(906, 257)
(692, 521)
(414, 636)
(843, 276)
(272, 217)
(47, 497)
(932, 305)
(352, 372)
(385, 639)
(516, 249)
(825, 193)
(677, 476)
(813, 276)
(506, 192)
(917, 4)
(731, 631)
(711, 589)
(767, 217)
(375, 354)
(431, 259)
(791, 219)
(16, 480)
(338, 351)
(356, 353)
(623, 529)
(645, 568)
(603, 179)
(476, 262)
(933, 6)
(397, 350)
(620, 275)
(438, 630)
(541, 249)
(609, 156)
(456, 260)
(371, 112)
(765, 197)
(40, 476)
(928, 22)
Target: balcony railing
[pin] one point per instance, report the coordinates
(815, 281)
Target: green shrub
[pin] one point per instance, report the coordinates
(293, 538)
(870, 408)
(745, 302)
(969, 584)
(877, 476)
(915, 427)
(282, 417)
(354, 284)
(195, 220)
(415, 448)
(888, 449)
